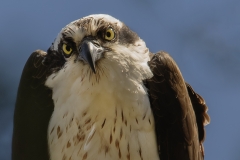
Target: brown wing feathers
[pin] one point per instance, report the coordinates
(200, 109)
(175, 119)
(33, 110)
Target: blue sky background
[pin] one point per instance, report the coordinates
(202, 36)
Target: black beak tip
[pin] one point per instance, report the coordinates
(94, 71)
(92, 68)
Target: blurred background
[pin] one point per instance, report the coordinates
(202, 36)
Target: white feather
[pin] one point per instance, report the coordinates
(105, 115)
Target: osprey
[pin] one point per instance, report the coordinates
(99, 93)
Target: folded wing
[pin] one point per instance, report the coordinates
(180, 113)
(34, 107)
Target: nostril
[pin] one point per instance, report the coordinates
(96, 43)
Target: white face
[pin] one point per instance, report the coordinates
(122, 51)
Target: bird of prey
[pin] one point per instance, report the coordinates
(99, 93)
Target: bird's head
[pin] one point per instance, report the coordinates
(100, 44)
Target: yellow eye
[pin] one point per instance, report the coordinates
(109, 34)
(66, 49)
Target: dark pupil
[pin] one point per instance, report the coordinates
(108, 34)
(68, 48)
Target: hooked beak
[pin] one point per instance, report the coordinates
(90, 52)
